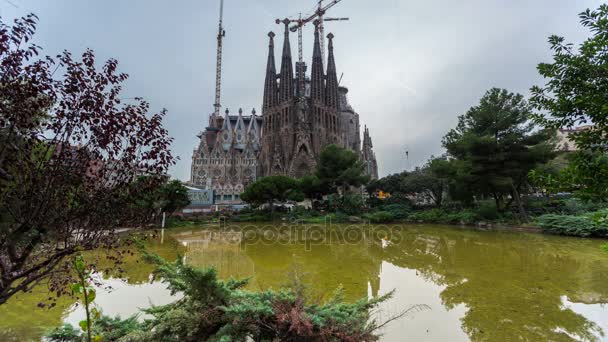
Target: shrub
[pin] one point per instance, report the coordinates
(399, 211)
(349, 203)
(252, 217)
(442, 216)
(537, 206)
(464, 216)
(582, 226)
(379, 217)
(431, 216)
(212, 309)
(487, 211)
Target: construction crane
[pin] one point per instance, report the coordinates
(299, 24)
(218, 66)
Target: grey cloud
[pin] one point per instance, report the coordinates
(411, 66)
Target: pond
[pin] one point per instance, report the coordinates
(478, 285)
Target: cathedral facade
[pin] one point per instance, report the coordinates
(300, 116)
(304, 114)
(226, 159)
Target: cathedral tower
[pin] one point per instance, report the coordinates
(297, 128)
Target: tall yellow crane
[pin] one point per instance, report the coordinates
(318, 15)
(218, 66)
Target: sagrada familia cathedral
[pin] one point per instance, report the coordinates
(300, 116)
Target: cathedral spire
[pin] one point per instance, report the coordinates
(317, 87)
(286, 92)
(331, 92)
(270, 84)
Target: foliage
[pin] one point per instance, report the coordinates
(586, 225)
(311, 187)
(577, 82)
(487, 211)
(151, 196)
(390, 184)
(497, 147)
(65, 333)
(586, 176)
(427, 183)
(339, 168)
(424, 184)
(214, 310)
(574, 96)
(350, 203)
(252, 217)
(561, 205)
(268, 190)
(379, 217)
(442, 216)
(86, 293)
(399, 211)
(545, 180)
(69, 148)
(111, 329)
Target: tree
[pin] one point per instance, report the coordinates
(311, 187)
(575, 94)
(153, 196)
(69, 148)
(577, 84)
(391, 184)
(272, 189)
(339, 168)
(423, 183)
(496, 146)
(586, 176)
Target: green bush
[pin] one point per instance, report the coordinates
(349, 203)
(431, 216)
(583, 225)
(379, 217)
(537, 206)
(487, 211)
(252, 217)
(400, 211)
(464, 216)
(442, 216)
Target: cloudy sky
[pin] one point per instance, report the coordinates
(411, 66)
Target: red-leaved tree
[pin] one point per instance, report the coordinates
(69, 148)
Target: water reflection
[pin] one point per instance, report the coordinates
(491, 285)
(494, 286)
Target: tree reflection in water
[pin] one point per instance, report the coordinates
(513, 285)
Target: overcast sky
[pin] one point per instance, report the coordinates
(411, 66)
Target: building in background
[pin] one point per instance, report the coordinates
(564, 138)
(300, 116)
(303, 115)
(226, 159)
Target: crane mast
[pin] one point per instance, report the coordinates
(299, 24)
(218, 66)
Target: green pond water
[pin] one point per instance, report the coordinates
(479, 285)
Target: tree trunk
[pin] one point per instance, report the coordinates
(497, 201)
(522, 210)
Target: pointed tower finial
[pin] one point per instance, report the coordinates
(317, 87)
(270, 83)
(286, 92)
(331, 92)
